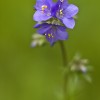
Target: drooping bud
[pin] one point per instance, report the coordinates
(37, 40)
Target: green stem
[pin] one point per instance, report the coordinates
(64, 54)
(64, 57)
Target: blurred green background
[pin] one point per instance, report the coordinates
(35, 74)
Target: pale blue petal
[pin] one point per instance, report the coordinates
(61, 35)
(69, 22)
(40, 16)
(71, 11)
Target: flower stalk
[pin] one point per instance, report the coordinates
(64, 54)
(64, 59)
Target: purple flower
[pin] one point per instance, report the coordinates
(54, 18)
(52, 32)
(65, 12)
(44, 10)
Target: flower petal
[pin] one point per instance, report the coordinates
(44, 28)
(51, 39)
(37, 25)
(61, 35)
(71, 11)
(62, 28)
(39, 4)
(39, 16)
(50, 2)
(63, 3)
(69, 23)
(55, 34)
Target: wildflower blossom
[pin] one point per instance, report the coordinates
(65, 12)
(43, 8)
(54, 18)
(52, 32)
(79, 65)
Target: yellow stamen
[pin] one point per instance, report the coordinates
(44, 7)
(61, 13)
(49, 35)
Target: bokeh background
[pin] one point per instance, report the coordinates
(35, 74)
